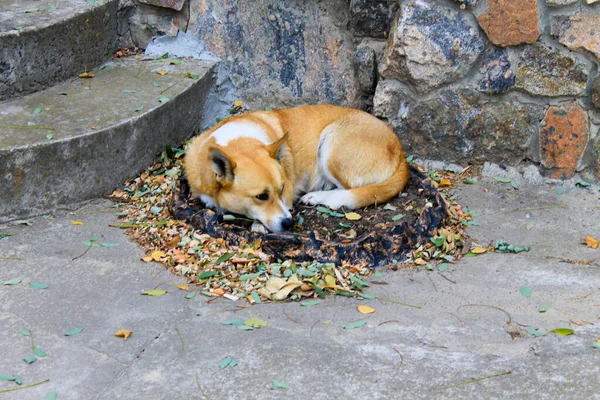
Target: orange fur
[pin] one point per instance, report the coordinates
(324, 147)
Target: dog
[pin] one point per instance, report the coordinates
(256, 164)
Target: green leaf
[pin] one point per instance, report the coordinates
(49, 136)
(469, 181)
(323, 210)
(280, 385)
(164, 99)
(309, 303)
(62, 93)
(9, 378)
(39, 352)
(583, 184)
(138, 109)
(255, 322)
(438, 242)
(233, 322)
(18, 379)
(38, 285)
(255, 296)
(514, 184)
(336, 214)
(530, 225)
(378, 274)
(544, 307)
(154, 292)
(596, 345)
(525, 291)
(155, 84)
(37, 110)
(192, 76)
(174, 62)
(128, 91)
(397, 217)
(207, 274)
(255, 275)
(563, 331)
(366, 296)
(24, 332)
(52, 6)
(30, 359)
(74, 332)
(534, 332)
(12, 281)
(560, 190)
(245, 328)
(354, 325)
(442, 267)
(503, 180)
(110, 244)
(224, 258)
(190, 295)
(227, 362)
(51, 396)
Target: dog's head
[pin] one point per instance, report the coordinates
(253, 184)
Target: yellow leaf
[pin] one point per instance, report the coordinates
(86, 75)
(184, 287)
(124, 333)
(154, 292)
(445, 182)
(479, 250)
(147, 258)
(591, 242)
(329, 280)
(366, 310)
(157, 255)
(352, 216)
(238, 103)
(162, 73)
(77, 223)
(420, 261)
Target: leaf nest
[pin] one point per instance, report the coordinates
(327, 251)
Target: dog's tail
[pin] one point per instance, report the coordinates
(378, 193)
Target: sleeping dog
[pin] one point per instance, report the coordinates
(256, 164)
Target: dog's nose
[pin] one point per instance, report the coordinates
(287, 223)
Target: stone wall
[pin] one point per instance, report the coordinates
(467, 81)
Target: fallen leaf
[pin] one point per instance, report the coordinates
(38, 285)
(442, 267)
(154, 292)
(9, 378)
(39, 352)
(86, 75)
(309, 303)
(238, 103)
(479, 250)
(12, 281)
(77, 222)
(74, 332)
(445, 182)
(366, 310)
(397, 217)
(233, 322)
(530, 225)
(157, 255)
(227, 362)
(224, 258)
(124, 333)
(591, 242)
(49, 136)
(30, 359)
(162, 73)
(525, 291)
(544, 307)
(183, 287)
(280, 385)
(534, 332)
(352, 216)
(24, 332)
(596, 345)
(354, 325)
(51, 396)
(37, 110)
(255, 322)
(563, 331)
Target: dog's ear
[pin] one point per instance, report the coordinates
(222, 165)
(276, 148)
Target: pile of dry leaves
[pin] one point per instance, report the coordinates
(245, 271)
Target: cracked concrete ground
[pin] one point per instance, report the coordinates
(460, 331)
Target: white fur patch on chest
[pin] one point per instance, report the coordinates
(236, 130)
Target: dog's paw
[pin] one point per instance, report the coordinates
(331, 198)
(258, 227)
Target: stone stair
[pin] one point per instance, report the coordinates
(64, 138)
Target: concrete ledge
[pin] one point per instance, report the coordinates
(40, 46)
(98, 139)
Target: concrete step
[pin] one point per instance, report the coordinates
(80, 139)
(45, 42)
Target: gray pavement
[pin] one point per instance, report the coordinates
(401, 353)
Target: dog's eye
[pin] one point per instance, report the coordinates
(263, 196)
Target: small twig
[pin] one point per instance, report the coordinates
(446, 278)
(176, 83)
(200, 387)
(290, 318)
(432, 282)
(581, 297)
(385, 322)
(397, 302)
(180, 338)
(460, 320)
(494, 307)
(11, 258)
(476, 380)
(401, 358)
(164, 283)
(83, 254)
(26, 386)
(311, 328)
(32, 345)
(535, 208)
